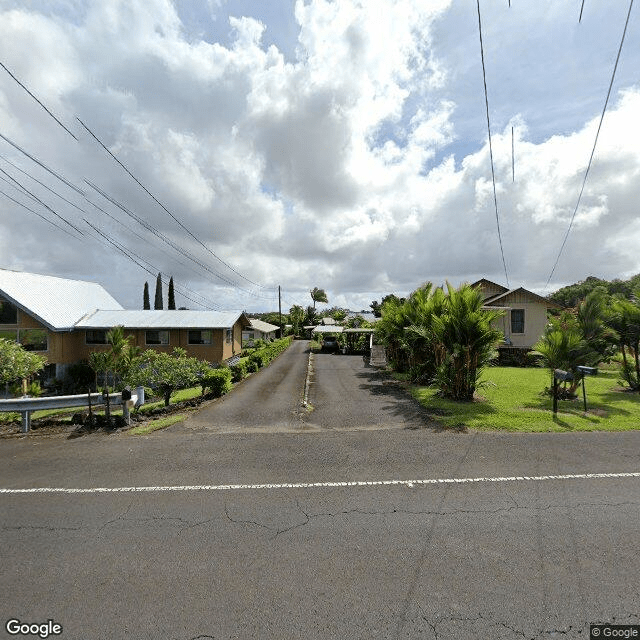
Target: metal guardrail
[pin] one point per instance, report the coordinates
(26, 406)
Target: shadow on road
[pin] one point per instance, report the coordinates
(401, 403)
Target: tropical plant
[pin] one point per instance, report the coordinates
(296, 315)
(445, 338)
(563, 346)
(464, 340)
(624, 319)
(318, 295)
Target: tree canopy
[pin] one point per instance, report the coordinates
(318, 295)
(17, 363)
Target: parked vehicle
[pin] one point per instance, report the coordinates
(330, 343)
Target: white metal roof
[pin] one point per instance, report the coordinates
(260, 325)
(56, 302)
(329, 329)
(161, 319)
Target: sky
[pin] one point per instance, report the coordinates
(300, 144)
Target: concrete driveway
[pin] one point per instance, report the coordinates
(344, 394)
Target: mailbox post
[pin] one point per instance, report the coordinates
(559, 375)
(586, 371)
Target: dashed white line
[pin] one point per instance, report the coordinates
(321, 485)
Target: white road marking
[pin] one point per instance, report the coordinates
(321, 485)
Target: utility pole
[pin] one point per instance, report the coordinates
(280, 311)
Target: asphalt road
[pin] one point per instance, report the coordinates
(529, 558)
(343, 393)
(258, 520)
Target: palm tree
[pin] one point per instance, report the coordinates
(318, 295)
(465, 341)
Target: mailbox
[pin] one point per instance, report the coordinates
(126, 394)
(588, 371)
(564, 376)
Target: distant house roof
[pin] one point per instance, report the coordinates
(328, 329)
(489, 288)
(178, 319)
(260, 325)
(502, 297)
(328, 321)
(58, 303)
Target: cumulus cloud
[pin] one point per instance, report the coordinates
(347, 166)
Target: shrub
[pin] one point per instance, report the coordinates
(218, 381)
(238, 371)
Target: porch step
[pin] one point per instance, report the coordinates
(378, 356)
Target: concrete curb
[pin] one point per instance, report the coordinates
(307, 382)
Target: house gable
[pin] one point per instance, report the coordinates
(488, 288)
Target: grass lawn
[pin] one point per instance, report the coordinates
(513, 400)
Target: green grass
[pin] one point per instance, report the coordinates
(178, 396)
(154, 425)
(512, 400)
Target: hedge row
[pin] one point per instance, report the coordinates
(259, 358)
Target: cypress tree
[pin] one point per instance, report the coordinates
(146, 304)
(171, 304)
(158, 300)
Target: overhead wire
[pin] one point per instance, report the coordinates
(188, 231)
(593, 150)
(6, 195)
(82, 193)
(139, 260)
(42, 203)
(38, 101)
(493, 176)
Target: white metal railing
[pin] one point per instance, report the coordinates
(26, 406)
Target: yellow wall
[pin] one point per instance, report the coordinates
(68, 347)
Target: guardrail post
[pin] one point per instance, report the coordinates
(26, 421)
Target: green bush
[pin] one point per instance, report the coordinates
(218, 381)
(262, 357)
(238, 371)
(252, 366)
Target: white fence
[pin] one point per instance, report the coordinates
(26, 406)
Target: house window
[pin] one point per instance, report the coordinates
(96, 336)
(199, 336)
(517, 320)
(33, 339)
(157, 337)
(9, 335)
(229, 336)
(8, 313)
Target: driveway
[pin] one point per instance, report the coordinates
(344, 394)
(270, 399)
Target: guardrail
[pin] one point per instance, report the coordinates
(26, 406)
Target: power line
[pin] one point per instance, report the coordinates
(93, 135)
(36, 213)
(139, 260)
(38, 101)
(42, 164)
(581, 8)
(493, 176)
(168, 241)
(34, 197)
(593, 150)
(140, 221)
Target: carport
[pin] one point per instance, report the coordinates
(352, 335)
